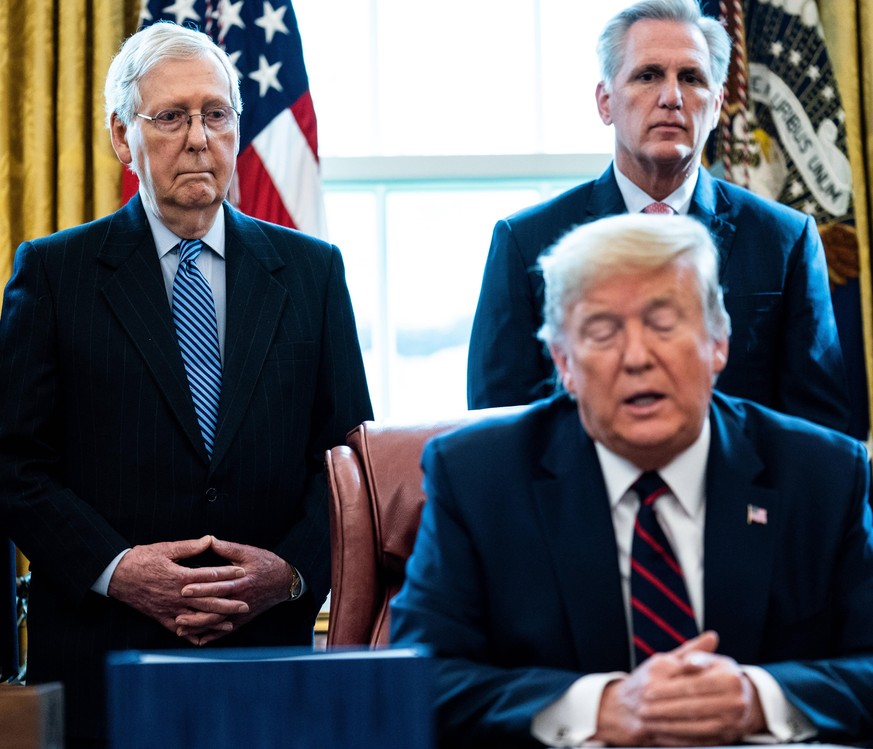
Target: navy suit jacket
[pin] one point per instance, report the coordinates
(784, 349)
(514, 578)
(100, 447)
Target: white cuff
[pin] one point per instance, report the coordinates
(102, 584)
(784, 721)
(572, 719)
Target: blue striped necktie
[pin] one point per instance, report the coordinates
(662, 616)
(197, 332)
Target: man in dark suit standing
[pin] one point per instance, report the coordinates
(170, 377)
(663, 68)
(640, 561)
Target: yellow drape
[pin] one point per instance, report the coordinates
(57, 168)
(848, 29)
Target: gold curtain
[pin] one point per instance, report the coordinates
(848, 29)
(57, 167)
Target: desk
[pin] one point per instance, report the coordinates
(270, 697)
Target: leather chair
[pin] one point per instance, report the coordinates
(376, 497)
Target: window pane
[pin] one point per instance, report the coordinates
(437, 245)
(457, 77)
(337, 38)
(405, 77)
(352, 220)
(570, 74)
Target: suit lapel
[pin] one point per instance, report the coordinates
(738, 556)
(136, 294)
(578, 531)
(255, 301)
(709, 205)
(604, 199)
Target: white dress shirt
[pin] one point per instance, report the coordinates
(636, 199)
(572, 719)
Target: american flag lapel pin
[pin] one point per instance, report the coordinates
(755, 514)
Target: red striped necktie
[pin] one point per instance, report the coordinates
(661, 611)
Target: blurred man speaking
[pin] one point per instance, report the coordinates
(638, 560)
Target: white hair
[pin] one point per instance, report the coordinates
(614, 245)
(610, 45)
(150, 46)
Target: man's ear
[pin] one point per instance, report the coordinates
(716, 115)
(118, 134)
(720, 355)
(559, 357)
(603, 108)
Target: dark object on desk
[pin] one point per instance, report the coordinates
(270, 697)
(32, 717)
(375, 506)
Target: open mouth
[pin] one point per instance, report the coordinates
(642, 400)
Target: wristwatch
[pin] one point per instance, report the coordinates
(296, 589)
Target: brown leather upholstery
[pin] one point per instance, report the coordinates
(375, 505)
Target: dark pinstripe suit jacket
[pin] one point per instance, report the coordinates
(99, 443)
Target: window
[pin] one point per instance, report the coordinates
(435, 120)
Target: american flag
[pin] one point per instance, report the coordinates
(277, 177)
(755, 514)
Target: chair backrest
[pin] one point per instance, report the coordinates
(376, 497)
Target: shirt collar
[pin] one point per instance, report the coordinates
(166, 241)
(685, 474)
(636, 199)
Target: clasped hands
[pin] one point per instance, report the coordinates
(200, 604)
(690, 696)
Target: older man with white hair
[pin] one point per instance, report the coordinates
(170, 377)
(639, 560)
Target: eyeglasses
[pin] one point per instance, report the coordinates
(216, 120)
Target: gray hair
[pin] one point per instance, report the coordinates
(149, 47)
(610, 45)
(637, 242)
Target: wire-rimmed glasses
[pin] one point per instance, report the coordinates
(216, 120)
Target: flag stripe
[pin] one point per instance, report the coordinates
(257, 193)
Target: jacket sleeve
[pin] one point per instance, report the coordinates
(341, 401)
(812, 381)
(507, 364)
(836, 692)
(443, 605)
(58, 532)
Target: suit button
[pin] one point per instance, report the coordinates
(211, 494)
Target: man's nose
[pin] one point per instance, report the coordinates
(197, 137)
(637, 354)
(671, 94)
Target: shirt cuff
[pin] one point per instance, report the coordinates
(784, 721)
(572, 719)
(102, 584)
